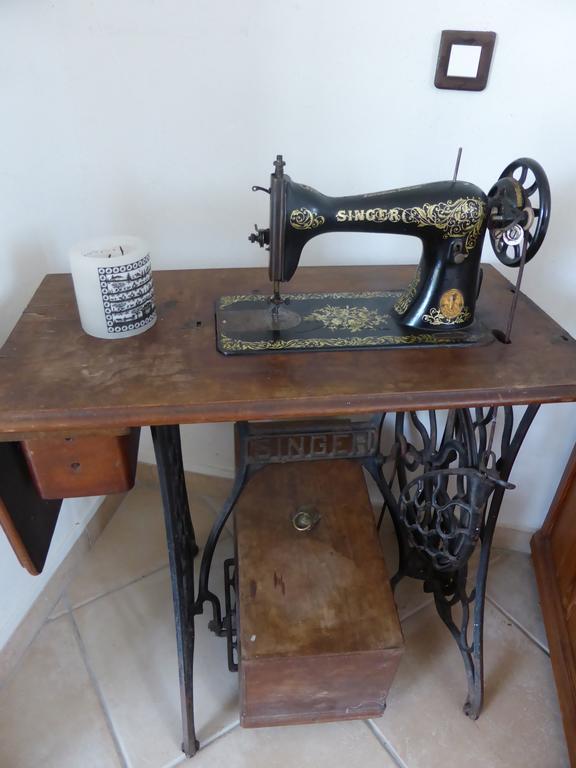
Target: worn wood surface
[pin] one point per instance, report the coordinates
(319, 634)
(89, 465)
(54, 377)
(554, 554)
(90, 432)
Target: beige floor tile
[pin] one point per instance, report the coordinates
(512, 586)
(104, 514)
(409, 594)
(59, 609)
(520, 724)
(213, 488)
(49, 713)
(130, 643)
(338, 745)
(132, 545)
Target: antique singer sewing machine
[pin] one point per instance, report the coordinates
(436, 308)
(446, 484)
(446, 474)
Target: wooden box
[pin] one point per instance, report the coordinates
(318, 632)
(86, 465)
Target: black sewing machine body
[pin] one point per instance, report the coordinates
(436, 308)
(448, 217)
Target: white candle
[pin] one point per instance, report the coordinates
(113, 285)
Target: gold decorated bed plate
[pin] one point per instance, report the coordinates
(250, 323)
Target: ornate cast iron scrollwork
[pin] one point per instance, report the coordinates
(445, 526)
(452, 503)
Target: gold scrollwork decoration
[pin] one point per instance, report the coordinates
(228, 344)
(406, 298)
(304, 218)
(435, 316)
(463, 217)
(455, 218)
(349, 318)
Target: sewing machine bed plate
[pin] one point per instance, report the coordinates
(325, 321)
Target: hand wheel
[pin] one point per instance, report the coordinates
(519, 208)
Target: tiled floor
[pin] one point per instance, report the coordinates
(99, 685)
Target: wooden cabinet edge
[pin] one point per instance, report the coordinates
(562, 646)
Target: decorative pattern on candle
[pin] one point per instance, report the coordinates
(113, 286)
(128, 296)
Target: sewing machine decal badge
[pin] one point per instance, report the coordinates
(437, 308)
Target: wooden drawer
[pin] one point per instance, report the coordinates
(319, 636)
(88, 465)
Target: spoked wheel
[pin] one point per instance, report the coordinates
(519, 209)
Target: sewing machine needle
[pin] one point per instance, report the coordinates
(457, 166)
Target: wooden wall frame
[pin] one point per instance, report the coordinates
(450, 37)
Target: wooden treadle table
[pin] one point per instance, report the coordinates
(55, 377)
(56, 382)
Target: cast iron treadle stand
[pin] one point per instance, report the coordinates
(449, 491)
(182, 549)
(449, 494)
(442, 512)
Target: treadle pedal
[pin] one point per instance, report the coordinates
(229, 621)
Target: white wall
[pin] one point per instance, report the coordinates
(155, 118)
(18, 588)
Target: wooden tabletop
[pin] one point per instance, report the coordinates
(53, 377)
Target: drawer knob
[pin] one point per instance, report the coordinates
(306, 518)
